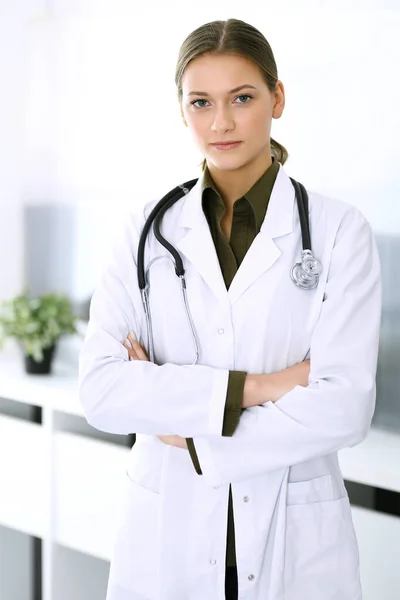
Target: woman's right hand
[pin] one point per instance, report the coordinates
(259, 389)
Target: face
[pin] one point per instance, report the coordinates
(215, 110)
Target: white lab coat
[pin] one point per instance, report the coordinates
(295, 538)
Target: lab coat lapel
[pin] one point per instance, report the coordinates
(264, 252)
(197, 244)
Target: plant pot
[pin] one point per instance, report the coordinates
(40, 368)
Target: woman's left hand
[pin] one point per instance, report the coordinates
(136, 352)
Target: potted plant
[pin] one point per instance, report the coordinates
(37, 324)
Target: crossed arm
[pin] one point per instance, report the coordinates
(258, 389)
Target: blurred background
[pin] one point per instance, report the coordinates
(88, 114)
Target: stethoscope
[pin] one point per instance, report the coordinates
(304, 274)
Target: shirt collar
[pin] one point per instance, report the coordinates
(257, 196)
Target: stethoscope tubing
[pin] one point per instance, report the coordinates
(163, 205)
(298, 275)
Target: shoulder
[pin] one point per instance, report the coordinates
(136, 217)
(336, 215)
(133, 222)
(139, 217)
(125, 241)
(329, 206)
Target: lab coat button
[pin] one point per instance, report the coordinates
(251, 577)
(213, 562)
(221, 331)
(246, 499)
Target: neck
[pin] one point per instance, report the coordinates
(234, 183)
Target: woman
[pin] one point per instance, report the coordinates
(234, 488)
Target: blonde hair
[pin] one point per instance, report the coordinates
(231, 37)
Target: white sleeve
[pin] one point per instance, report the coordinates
(122, 396)
(336, 409)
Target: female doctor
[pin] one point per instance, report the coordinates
(233, 486)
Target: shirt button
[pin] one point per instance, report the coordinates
(213, 562)
(221, 331)
(251, 577)
(246, 499)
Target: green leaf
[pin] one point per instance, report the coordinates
(37, 322)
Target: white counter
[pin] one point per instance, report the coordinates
(57, 391)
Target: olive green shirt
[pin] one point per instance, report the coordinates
(248, 215)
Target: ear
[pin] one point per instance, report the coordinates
(279, 100)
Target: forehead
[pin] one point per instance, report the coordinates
(215, 73)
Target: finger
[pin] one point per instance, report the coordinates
(137, 347)
(127, 345)
(131, 352)
(139, 351)
(140, 354)
(131, 338)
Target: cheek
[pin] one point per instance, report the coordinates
(197, 128)
(258, 122)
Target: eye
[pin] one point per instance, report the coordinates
(244, 96)
(195, 101)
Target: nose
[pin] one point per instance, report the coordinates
(223, 120)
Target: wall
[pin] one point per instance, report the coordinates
(13, 82)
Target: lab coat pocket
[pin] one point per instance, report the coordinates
(318, 489)
(134, 564)
(321, 551)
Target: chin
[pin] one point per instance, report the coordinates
(228, 163)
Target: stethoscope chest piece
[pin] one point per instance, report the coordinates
(305, 274)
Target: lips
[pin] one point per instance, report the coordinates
(225, 145)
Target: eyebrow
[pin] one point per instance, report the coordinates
(236, 89)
